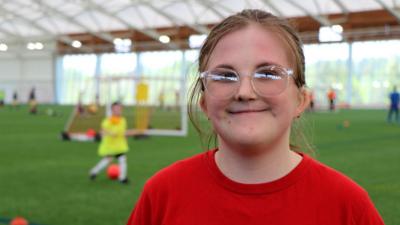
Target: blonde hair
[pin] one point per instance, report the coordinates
(235, 22)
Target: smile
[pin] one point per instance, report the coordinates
(247, 111)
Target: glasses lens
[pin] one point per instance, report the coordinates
(270, 80)
(221, 83)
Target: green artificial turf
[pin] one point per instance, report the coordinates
(45, 179)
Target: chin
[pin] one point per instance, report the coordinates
(246, 139)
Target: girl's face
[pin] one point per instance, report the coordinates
(116, 110)
(248, 119)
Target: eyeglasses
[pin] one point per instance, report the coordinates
(266, 81)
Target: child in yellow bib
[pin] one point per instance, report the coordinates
(113, 143)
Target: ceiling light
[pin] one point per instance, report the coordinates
(122, 45)
(337, 28)
(117, 41)
(76, 44)
(39, 45)
(330, 33)
(164, 39)
(35, 46)
(3, 47)
(127, 42)
(30, 46)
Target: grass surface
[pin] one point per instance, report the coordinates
(45, 179)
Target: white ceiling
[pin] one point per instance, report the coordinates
(25, 20)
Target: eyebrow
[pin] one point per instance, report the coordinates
(227, 66)
(267, 64)
(224, 66)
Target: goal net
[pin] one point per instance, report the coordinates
(152, 105)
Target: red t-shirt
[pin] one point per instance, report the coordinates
(194, 191)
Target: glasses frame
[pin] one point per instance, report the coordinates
(287, 72)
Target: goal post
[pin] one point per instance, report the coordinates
(144, 109)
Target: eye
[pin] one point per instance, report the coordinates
(268, 75)
(227, 76)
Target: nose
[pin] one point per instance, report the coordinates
(246, 91)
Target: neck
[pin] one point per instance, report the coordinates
(251, 167)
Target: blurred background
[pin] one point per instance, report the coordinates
(63, 62)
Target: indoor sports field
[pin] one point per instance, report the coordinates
(66, 64)
(45, 179)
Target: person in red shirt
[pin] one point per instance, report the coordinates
(251, 87)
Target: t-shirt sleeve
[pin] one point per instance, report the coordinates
(154, 201)
(141, 214)
(369, 215)
(361, 208)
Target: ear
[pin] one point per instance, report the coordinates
(203, 105)
(303, 101)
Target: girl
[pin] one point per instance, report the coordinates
(113, 144)
(252, 88)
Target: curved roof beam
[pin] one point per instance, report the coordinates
(273, 7)
(321, 19)
(105, 36)
(391, 10)
(65, 39)
(222, 6)
(199, 28)
(208, 5)
(12, 35)
(341, 6)
(149, 32)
